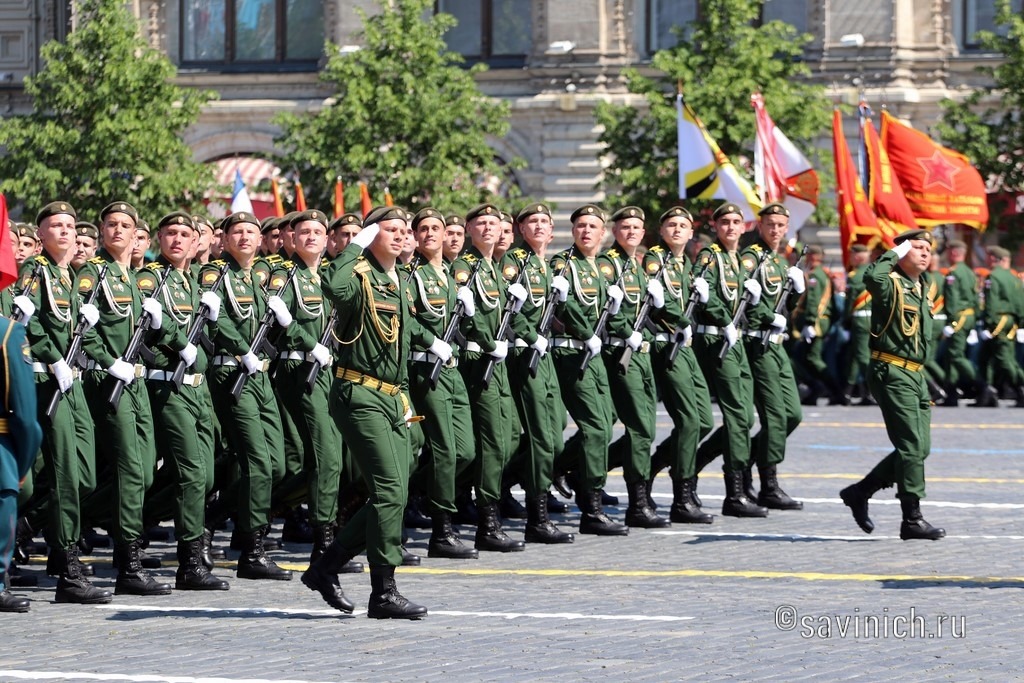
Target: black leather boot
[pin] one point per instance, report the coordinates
(253, 563)
(1018, 393)
(13, 603)
(935, 391)
(736, 503)
(323, 536)
(866, 399)
(489, 534)
(914, 525)
(772, 496)
(509, 506)
(540, 529)
(444, 542)
(296, 526)
(322, 577)
(206, 548)
(73, 587)
(593, 519)
(132, 579)
(856, 496)
(192, 574)
(693, 492)
(55, 562)
(269, 543)
(748, 482)
(465, 510)
(684, 510)
(414, 515)
(639, 514)
(987, 397)
(952, 396)
(385, 600)
(555, 506)
(409, 559)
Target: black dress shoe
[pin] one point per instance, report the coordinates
(854, 498)
(385, 600)
(326, 584)
(410, 560)
(12, 603)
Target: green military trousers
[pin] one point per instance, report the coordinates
(776, 398)
(959, 369)
(903, 398)
(731, 382)
(589, 402)
(858, 353)
(540, 414)
(634, 400)
(493, 421)
(684, 393)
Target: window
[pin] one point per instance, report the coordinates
(792, 12)
(974, 16)
(663, 16)
(498, 32)
(251, 33)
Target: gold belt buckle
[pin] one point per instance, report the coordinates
(197, 379)
(140, 371)
(645, 346)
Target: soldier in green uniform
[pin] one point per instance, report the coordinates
(270, 231)
(1002, 311)
(180, 414)
(375, 330)
(857, 317)
(681, 384)
(934, 372)
(586, 394)
(252, 421)
(340, 232)
(447, 417)
(776, 396)
(900, 333)
(85, 244)
(454, 237)
(730, 380)
(69, 451)
(536, 395)
(20, 437)
(128, 447)
(960, 290)
(633, 392)
(813, 318)
(492, 406)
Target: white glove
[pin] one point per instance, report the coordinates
(465, 295)
(685, 334)
(91, 314)
(948, 331)
(122, 371)
(797, 277)
(731, 335)
(280, 309)
(408, 417)
(808, 334)
(500, 349)
(615, 293)
(903, 248)
(517, 292)
(62, 371)
(25, 305)
(188, 354)
(560, 285)
(322, 355)
(985, 335)
(593, 345)
(212, 302)
(251, 362)
(442, 349)
(972, 337)
(657, 293)
(1020, 336)
(702, 288)
(753, 287)
(635, 339)
(779, 323)
(541, 344)
(156, 313)
(366, 235)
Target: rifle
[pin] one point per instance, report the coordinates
(638, 326)
(780, 305)
(257, 341)
(417, 259)
(198, 325)
(134, 349)
(19, 316)
(75, 347)
(602, 321)
(744, 304)
(691, 306)
(325, 339)
(549, 314)
(506, 320)
(458, 311)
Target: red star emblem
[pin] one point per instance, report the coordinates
(938, 170)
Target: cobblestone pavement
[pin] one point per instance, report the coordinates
(799, 595)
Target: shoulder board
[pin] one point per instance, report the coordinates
(220, 263)
(153, 266)
(714, 247)
(287, 264)
(612, 253)
(273, 259)
(324, 262)
(41, 259)
(519, 253)
(756, 248)
(97, 260)
(656, 249)
(362, 266)
(468, 258)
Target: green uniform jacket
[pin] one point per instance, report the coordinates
(180, 299)
(434, 297)
(611, 265)
(725, 279)
(526, 323)
(242, 308)
(857, 296)
(1004, 302)
(961, 294)
(900, 311)
(578, 314)
(49, 330)
(304, 297)
(676, 279)
(815, 308)
(772, 279)
(489, 293)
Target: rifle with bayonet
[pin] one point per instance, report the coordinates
(548, 318)
(503, 326)
(37, 272)
(458, 312)
(780, 305)
(691, 306)
(195, 332)
(602, 322)
(134, 348)
(325, 340)
(741, 309)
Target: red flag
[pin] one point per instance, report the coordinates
(941, 185)
(364, 199)
(278, 204)
(300, 198)
(8, 266)
(885, 194)
(857, 223)
(339, 197)
(388, 201)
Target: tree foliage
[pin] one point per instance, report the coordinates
(106, 124)
(404, 114)
(720, 62)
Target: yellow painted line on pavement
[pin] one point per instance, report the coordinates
(840, 475)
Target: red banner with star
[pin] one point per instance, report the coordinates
(857, 222)
(940, 184)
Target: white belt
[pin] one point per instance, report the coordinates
(645, 346)
(428, 357)
(44, 369)
(231, 361)
(671, 337)
(521, 344)
(140, 370)
(568, 343)
(862, 314)
(709, 329)
(167, 375)
(297, 355)
(775, 338)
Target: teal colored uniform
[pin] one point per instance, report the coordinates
(960, 291)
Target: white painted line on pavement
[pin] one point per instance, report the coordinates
(562, 615)
(815, 537)
(135, 678)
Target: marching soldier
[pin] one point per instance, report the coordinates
(85, 244)
(1004, 307)
(812, 317)
(28, 243)
(961, 295)
(270, 232)
(858, 320)
(900, 334)
(340, 233)
(454, 237)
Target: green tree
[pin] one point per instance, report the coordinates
(106, 124)
(404, 114)
(719, 61)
